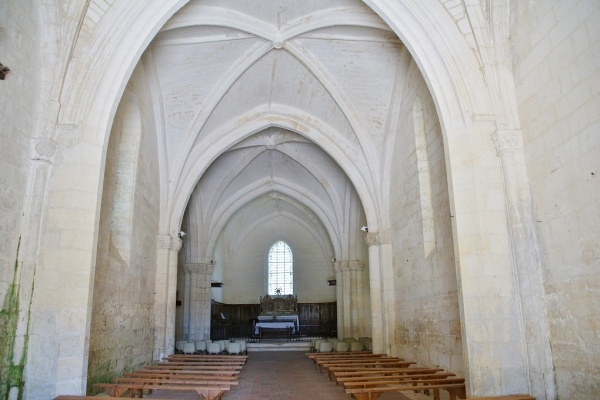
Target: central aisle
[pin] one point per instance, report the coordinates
(283, 375)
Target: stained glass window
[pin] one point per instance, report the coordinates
(281, 269)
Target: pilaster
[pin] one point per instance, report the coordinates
(197, 308)
(165, 298)
(42, 153)
(382, 290)
(526, 262)
(339, 296)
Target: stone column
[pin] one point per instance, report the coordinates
(42, 155)
(356, 300)
(197, 309)
(165, 297)
(346, 295)
(382, 291)
(339, 297)
(526, 262)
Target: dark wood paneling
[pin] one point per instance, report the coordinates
(316, 319)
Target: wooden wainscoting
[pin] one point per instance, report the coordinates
(316, 320)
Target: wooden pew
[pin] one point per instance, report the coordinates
(385, 371)
(343, 353)
(174, 381)
(208, 362)
(82, 397)
(205, 357)
(213, 391)
(456, 389)
(326, 363)
(116, 390)
(342, 356)
(168, 366)
(399, 377)
(181, 375)
(365, 366)
(507, 397)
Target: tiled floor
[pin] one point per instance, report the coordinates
(279, 375)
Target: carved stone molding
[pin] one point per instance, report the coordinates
(507, 140)
(337, 266)
(345, 266)
(43, 149)
(356, 265)
(176, 243)
(378, 238)
(164, 242)
(198, 268)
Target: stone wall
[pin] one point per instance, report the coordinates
(427, 314)
(19, 51)
(245, 274)
(122, 330)
(556, 50)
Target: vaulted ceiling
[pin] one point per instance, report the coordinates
(277, 107)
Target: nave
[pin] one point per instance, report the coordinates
(283, 375)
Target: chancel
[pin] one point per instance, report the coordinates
(409, 179)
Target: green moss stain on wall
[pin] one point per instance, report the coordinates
(11, 375)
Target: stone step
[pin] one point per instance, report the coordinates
(275, 345)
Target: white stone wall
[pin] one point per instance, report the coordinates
(19, 53)
(245, 267)
(122, 330)
(556, 50)
(19, 94)
(427, 313)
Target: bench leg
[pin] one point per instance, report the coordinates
(210, 394)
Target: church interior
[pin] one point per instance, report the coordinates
(422, 175)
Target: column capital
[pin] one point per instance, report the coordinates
(43, 150)
(337, 266)
(176, 243)
(198, 268)
(169, 242)
(507, 139)
(378, 238)
(164, 241)
(356, 265)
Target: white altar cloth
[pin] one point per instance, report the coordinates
(280, 318)
(274, 325)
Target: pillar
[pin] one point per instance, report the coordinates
(197, 307)
(381, 280)
(165, 298)
(42, 157)
(346, 297)
(356, 297)
(526, 263)
(339, 296)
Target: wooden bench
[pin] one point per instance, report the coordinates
(169, 366)
(397, 376)
(83, 397)
(174, 381)
(385, 371)
(343, 353)
(117, 390)
(165, 371)
(213, 391)
(355, 361)
(507, 397)
(177, 374)
(341, 359)
(207, 358)
(372, 393)
(207, 362)
(365, 366)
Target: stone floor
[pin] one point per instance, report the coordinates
(283, 375)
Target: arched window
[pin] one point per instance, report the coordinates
(281, 269)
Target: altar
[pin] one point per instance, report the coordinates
(277, 312)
